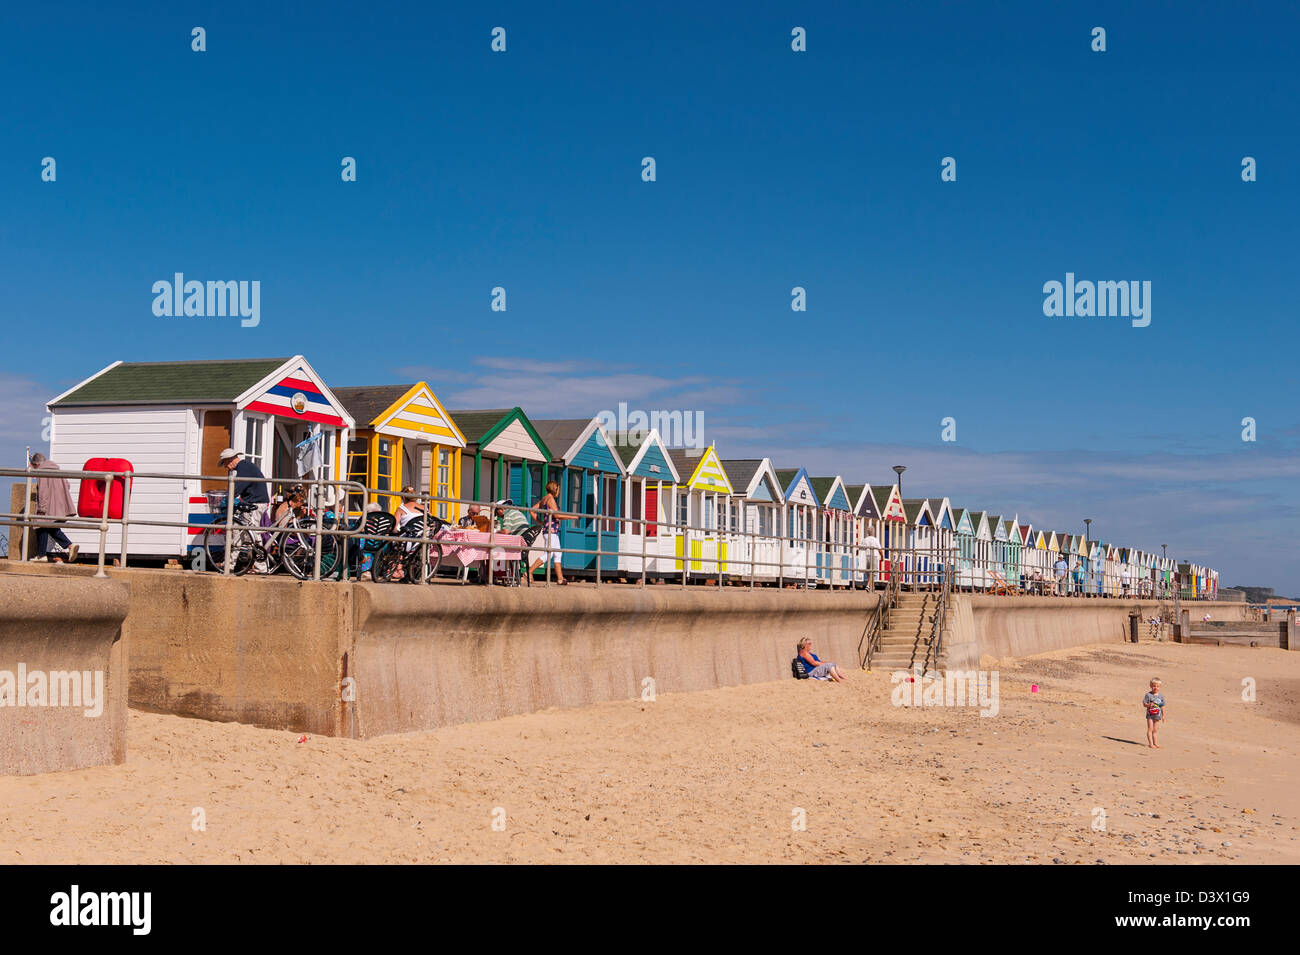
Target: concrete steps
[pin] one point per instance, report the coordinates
(910, 615)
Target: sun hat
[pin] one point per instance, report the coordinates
(227, 454)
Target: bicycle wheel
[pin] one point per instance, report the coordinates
(385, 565)
(411, 563)
(298, 549)
(241, 560)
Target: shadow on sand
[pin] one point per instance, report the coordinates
(1116, 739)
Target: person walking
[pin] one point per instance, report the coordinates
(1154, 705)
(550, 536)
(872, 545)
(53, 500)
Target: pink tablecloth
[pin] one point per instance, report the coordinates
(465, 547)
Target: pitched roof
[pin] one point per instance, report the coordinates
(560, 433)
(785, 476)
(741, 471)
(368, 402)
(625, 447)
(822, 487)
(155, 382)
(912, 508)
(685, 460)
(475, 424)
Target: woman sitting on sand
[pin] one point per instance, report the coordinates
(816, 669)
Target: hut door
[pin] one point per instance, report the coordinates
(652, 511)
(216, 438)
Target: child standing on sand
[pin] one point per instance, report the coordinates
(1154, 704)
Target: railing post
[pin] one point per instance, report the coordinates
(126, 513)
(645, 532)
(424, 528)
(599, 534)
(230, 522)
(320, 513)
(103, 523)
(686, 551)
(25, 537)
(753, 557)
(492, 530)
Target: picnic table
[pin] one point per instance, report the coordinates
(466, 546)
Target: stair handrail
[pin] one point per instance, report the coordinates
(879, 619)
(920, 628)
(938, 622)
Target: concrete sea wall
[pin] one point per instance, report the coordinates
(362, 660)
(61, 637)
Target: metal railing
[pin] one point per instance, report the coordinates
(879, 620)
(337, 516)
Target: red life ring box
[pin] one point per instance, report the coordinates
(90, 497)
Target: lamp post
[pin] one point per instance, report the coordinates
(1087, 528)
(1163, 552)
(899, 469)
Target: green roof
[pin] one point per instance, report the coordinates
(482, 425)
(161, 382)
(475, 424)
(822, 487)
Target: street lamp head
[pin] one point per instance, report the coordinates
(899, 469)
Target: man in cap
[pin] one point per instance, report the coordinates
(253, 489)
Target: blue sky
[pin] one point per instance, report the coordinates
(774, 169)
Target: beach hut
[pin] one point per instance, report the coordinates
(647, 497)
(1011, 565)
(945, 530)
(800, 522)
(590, 475)
(177, 417)
(981, 576)
(964, 536)
(756, 494)
(921, 541)
(893, 526)
(867, 523)
(703, 508)
(997, 550)
(834, 531)
(1028, 559)
(504, 457)
(403, 436)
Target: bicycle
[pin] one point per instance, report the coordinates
(297, 544)
(247, 549)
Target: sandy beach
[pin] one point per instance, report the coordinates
(720, 776)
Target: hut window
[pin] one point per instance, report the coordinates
(575, 501)
(358, 471)
(634, 508)
(442, 487)
(683, 507)
(254, 429)
(535, 488)
(609, 503)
